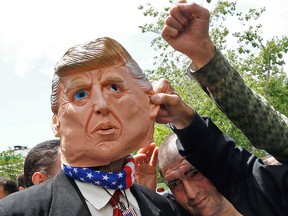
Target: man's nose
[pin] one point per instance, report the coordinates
(191, 189)
(100, 105)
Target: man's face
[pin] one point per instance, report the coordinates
(194, 192)
(103, 116)
(2, 192)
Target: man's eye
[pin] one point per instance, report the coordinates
(114, 87)
(174, 184)
(194, 173)
(80, 95)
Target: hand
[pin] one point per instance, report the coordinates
(172, 108)
(146, 161)
(186, 29)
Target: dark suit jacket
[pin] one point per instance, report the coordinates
(61, 197)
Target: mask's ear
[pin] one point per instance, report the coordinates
(56, 126)
(38, 177)
(154, 109)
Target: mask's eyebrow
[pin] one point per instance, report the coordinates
(75, 84)
(112, 79)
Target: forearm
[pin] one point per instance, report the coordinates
(237, 174)
(260, 122)
(204, 52)
(212, 152)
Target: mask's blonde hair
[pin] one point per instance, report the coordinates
(96, 54)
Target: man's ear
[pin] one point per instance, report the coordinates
(38, 177)
(56, 125)
(21, 188)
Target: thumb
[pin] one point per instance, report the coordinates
(155, 99)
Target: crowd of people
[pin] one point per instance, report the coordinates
(90, 168)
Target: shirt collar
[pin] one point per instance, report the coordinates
(95, 195)
(89, 190)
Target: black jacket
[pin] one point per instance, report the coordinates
(252, 187)
(60, 196)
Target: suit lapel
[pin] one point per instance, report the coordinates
(67, 199)
(145, 205)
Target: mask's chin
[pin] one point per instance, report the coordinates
(113, 166)
(107, 164)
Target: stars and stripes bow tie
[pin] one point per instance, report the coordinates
(113, 180)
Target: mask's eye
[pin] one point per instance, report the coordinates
(114, 87)
(79, 95)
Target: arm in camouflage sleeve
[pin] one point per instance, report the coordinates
(260, 122)
(186, 29)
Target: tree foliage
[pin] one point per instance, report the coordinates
(11, 165)
(260, 63)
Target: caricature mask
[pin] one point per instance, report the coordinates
(101, 105)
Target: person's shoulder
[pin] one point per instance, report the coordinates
(146, 191)
(36, 198)
(168, 195)
(158, 200)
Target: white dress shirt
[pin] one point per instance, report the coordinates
(97, 199)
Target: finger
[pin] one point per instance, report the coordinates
(163, 120)
(176, 20)
(144, 150)
(139, 158)
(160, 98)
(154, 158)
(193, 10)
(179, 19)
(164, 99)
(162, 86)
(163, 111)
(169, 32)
(149, 153)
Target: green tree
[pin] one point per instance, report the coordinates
(253, 58)
(11, 165)
(262, 59)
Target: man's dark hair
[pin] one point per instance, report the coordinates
(21, 180)
(9, 185)
(41, 158)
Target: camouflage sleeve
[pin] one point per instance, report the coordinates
(265, 127)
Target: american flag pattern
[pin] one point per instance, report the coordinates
(114, 180)
(129, 212)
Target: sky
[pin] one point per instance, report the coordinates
(36, 33)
